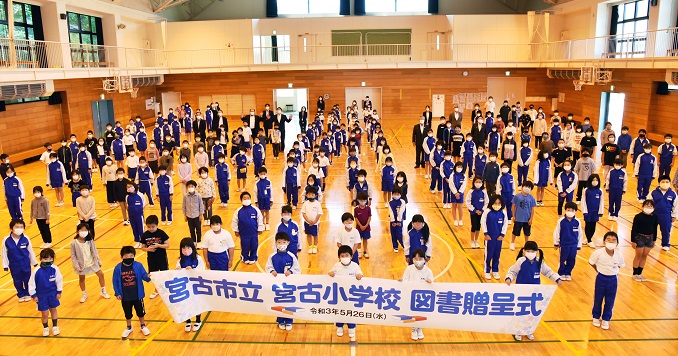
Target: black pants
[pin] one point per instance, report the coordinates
(590, 229)
(208, 208)
(491, 188)
(197, 319)
(580, 188)
(110, 192)
(195, 228)
(537, 141)
(276, 150)
(575, 156)
(45, 232)
(154, 166)
(137, 304)
(556, 172)
(421, 155)
(90, 226)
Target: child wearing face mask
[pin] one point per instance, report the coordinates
(418, 238)
(418, 272)
(468, 152)
(584, 167)
(185, 170)
(86, 260)
(109, 177)
(397, 215)
(127, 284)
(508, 150)
(559, 155)
(566, 184)
(479, 162)
(291, 183)
(346, 268)
(645, 169)
(205, 187)
(155, 243)
(363, 218)
(290, 228)
(248, 224)
(164, 191)
(45, 286)
(144, 180)
(539, 130)
(666, 208)
(638, 145)
(428, 146)
(18, 257)
(387, 180)
(349, 236)
(522, 210)
(476, 202)
(493, 140)
(74, 185)
(494, 223)
(311, 211)
(528, 270)
(241, 161)
(362, 186)
(525, 157)
(218, 246)
(40, 214)
(506, 188)
(592, 207)
(546, 144)
(491, 174)
(568, 237)
(85, 206)
(624, 142)
(318, 172)
(263, 191)
(643, 237)
(185, 151)
(152, 156)
(457, 186)
(283, 261)
(193, 209)
(610, 152)
(667, 154)
(436, 160)
(542, 175)
(57, 178)
(616, 183)
(135, 202)
(401, 183)
(100, 154)
(202, 159)
(386, 153)
(576, 143)
(607, 262)
(83, 164)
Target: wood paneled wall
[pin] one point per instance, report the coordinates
(641, 104)
(405, 92)
(29, 125)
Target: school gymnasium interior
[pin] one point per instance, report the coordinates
(69, 66)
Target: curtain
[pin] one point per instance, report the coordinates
(359, 7)
(432, 6)
(271, 8)
(345, 7)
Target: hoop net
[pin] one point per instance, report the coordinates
(134, 92)
(110, 85)
(577, 84)
(125, 83)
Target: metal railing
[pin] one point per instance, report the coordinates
(30, 54)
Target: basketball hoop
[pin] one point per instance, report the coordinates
(110, 85)
(577, 84)
(134, 92)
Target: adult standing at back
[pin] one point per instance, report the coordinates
(428, 116)
(280, 119)
(303, 119)
(218, 120)
(479, 132)
(456, 117)
(267, 118)
(253, 120)
(504, 112)
(321, 103)
(419, 132)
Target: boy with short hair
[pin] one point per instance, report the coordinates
(291, 183)
(396, 217)
(289, 227)
(155, 243)
(568, 237)
(624, 142)
(363, 218)
(346, 268)
(362, 186)
(192, 207)
(164, 191)
(348, 236)
(645, 169)
(263, 191)
(522, 211)
(284, 262)
(248, 224)
(311, 210)
(14, 194)
(18, 257)
(45, 286)
(491, 174)
(241, 161)
(667, 155)
(222, 177)
(129, 289)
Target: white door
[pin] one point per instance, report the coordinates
(170, 100)
(506, 88)
(306, 48)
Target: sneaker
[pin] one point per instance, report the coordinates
(315, 249)
(432, 192)
(83, 298)
(366, 255)
(153, 295)
(198, 245)
(386, 205)
(351, 332)
(310, 250)
(666, 248)
(496, 275)
(288, 327)
(518, 337)
(105, 295)
(126, 333)
(530, 337)
(605, 325)
(125, 222)
(420, 333)
(137, 245)
(512, 246)
(596, 322)
(461, 222)
(281, 326)
(510, 222)
(164, 223)
(614, 218)
(642, 278)
(415, 334)
(45, 331)
(187, 328)
(395, 250)
(426, 176)
(145, 331)
(42, 246)
(636, 278)
(592, 245)
(268, 227)
(55, 330)
(24, 299)
(340, 331)
(456, 223)
(294, 207)
(237, 190)
(115, 205)
(169, 222)
(609, 218)
(489, 276)
(196, 326)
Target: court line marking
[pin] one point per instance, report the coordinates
(143, 345)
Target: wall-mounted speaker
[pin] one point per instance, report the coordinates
(62, 16)
(2, 106)
(662, 88)
(653, 2)
(55, 98)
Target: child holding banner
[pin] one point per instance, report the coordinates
(418, 272)
(346, 268)
(188, 260)
(528, 269)
(607, 262)
(285, 262)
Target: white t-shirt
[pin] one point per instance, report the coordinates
(606, 264)
(246, 134)
(217, 243)
(128, 140)
(86, 253)
(412, 274)
(312, 210)
(351, 270)
(348, 238)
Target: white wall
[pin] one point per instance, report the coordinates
(490, 29)
(209, 34)
(577, 25)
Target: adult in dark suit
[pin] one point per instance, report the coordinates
(200, 128)
(215, 111)
(280, 119)
(267, 119)
(367, 103)
(254, 121)
(456, 117)
(504, 112)
(428, 116)
(220, 119)
(475, 113)
(320, 104)
(419, 132)
(303, 119)
(479, 132)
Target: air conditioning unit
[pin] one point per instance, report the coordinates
(571, 74)
(147, 81)
(22, 90)
(671, 77)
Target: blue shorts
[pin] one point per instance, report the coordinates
(264, 204)
(247, 145)
(46, 302)
(119, 156)
(57, 185)
(457, 201)
(310, 229)
(241, 173)
(365, 235)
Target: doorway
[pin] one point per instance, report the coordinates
(170, 100)
(359, 94)
(612, 110)
(102, 115)
(290, 101)
(512, 89)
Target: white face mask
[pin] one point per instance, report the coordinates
(610, 245)
(37, 195)
(478, 185)
(504, 170)
(421, 122)
(458, 170)
(594, 183)
(419, 263)
(18, 231)
(401, 179)
(183, 160)
(530, 255)
(567, 168)
(162, 173)
(361, 179)
(546, 155)
(617, 167)
(204, 175)
(648, 210)
(569, 214)
(83, 234)
(281, 247)
(120, 176)
(493, 159)
(345, 261)
(287, 217)
(216, 228)
(348, 226)
(191, 190)
(247, 202)
(664, 185)
(84, 193)
(527, 190)
(648, 151)
(561, 145)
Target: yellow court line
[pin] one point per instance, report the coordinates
(628, 275)
(261, 243)
(397, 132)
(148, 340)
(449, 263)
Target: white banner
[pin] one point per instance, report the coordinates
(483, 307)
(438, 107)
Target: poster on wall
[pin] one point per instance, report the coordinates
(438, 107)
(150, 104)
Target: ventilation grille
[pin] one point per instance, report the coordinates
(147, 81)
(571, 74)
(19, 90)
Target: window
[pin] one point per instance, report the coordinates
(26, 100)
(27, 28)
(401, 6)
(271, 49)
(86, 37)
(629, 29)
(383, 42)
(308, 7)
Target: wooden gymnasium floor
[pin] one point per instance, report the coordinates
(645, 316)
